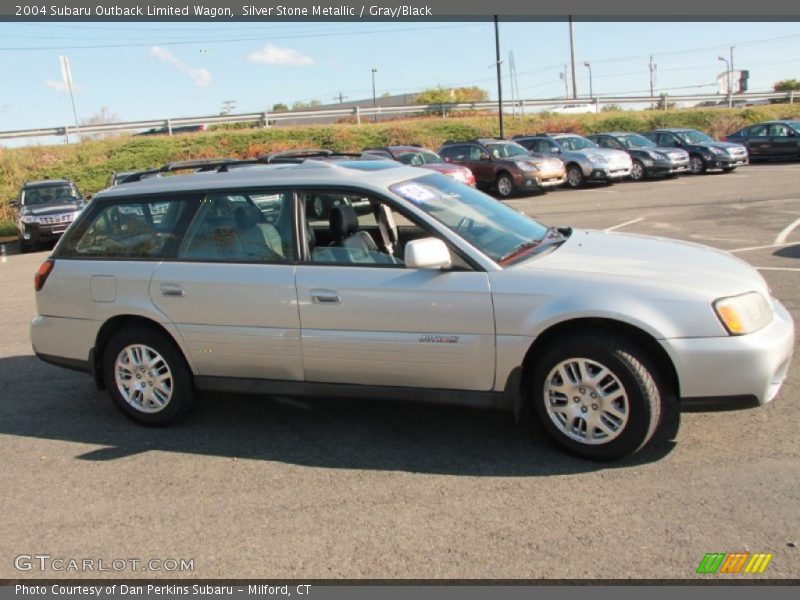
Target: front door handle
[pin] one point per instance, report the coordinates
(172, 289)
(325, 297)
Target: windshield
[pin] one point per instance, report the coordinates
(506, 150)
(419, 157)
(694, 137)
(490, 226)
(634, 140)
(575, 142)
(50, 194)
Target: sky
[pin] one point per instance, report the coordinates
(153, 70)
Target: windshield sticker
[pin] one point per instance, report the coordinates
(415, 192)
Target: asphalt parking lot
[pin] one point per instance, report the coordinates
(258, 487)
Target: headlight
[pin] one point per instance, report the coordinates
(654, 155)
(743, 314)
(596, 158)
(525, 166)
(28, 219)
(717, 151)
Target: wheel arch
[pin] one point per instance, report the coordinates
(118, 323)
(667, 374)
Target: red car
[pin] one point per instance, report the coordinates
(417, 156)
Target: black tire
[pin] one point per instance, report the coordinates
(637, 170)
(25, 247)
(575, 177)
(504, 185)
(182, 389)
(728, 169)
(697, 165)
(633, 373)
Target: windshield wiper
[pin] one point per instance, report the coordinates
(521, 249)
(557, 232)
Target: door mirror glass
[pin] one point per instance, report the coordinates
(427, 253)
(555, 149)
(484, 156)
(13, 203)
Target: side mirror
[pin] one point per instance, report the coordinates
(427, 253)
(12, 203)
(555, 150)
(446, 159)
(677, 143)
(484, 156)
(88, 197)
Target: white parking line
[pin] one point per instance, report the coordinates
(762, 247)
(785, 233)
(624, 224)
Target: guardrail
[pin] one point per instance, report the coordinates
(266, 119)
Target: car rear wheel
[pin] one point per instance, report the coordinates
(637, 171)
(147, 376)
(504, 185)
(696, 164)
(575, 178)
(596, 396)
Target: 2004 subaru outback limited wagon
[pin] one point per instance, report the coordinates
(224, 281)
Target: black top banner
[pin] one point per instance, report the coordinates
(391, 10)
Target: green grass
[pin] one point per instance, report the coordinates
(7, 228)
(90, 162)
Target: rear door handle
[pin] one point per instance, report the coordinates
(172, 289)
(325, 297)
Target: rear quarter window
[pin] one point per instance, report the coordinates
(134, 228)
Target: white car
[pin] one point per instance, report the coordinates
(439, 293)
(574, 109)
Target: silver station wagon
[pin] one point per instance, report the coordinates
(226, 281)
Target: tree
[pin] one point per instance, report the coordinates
(300, 105)
(279, 107)
(787, 85)
(452, 95)
(104, 117)
(611, 108)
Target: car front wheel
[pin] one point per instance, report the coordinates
(147, 376)
(504, 185)
(637, 171)
(575, 178)
(596, 396)
(696, 164)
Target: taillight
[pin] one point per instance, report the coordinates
(44, 271)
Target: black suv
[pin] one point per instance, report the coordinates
(649, 160)
(45, 209)
(773, 139)
(704, 152)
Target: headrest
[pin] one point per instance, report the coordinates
(245, 219)
(343, 222)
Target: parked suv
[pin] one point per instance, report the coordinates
(44, 210)
(504, 166)
(417, 156)
(705, 153)
(649, 160)
(773, 139)
(222, 281)
(584, 160)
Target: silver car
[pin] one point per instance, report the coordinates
(222, 281)
(583, 159)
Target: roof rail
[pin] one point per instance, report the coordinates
(296, 156)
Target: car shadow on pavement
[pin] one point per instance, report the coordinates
(788, 252)
(45, 402)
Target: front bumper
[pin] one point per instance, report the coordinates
(526, 180)
(666, 167)
(609, 173)
(726, 162)
(551, 181)
(38, 233)
(720, 368)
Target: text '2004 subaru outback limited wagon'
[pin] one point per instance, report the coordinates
(225, 281)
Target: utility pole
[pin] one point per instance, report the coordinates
(572, 59)
(374, 99)
(563, 76)
(228, 106)
(730, 83)
(652, 77)
(499, 80)
(731, 96)
(66, 73)
(340, 96)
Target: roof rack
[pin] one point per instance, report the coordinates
(199, 165)
(296, 156)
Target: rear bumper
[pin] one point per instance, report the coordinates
(722, 368)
